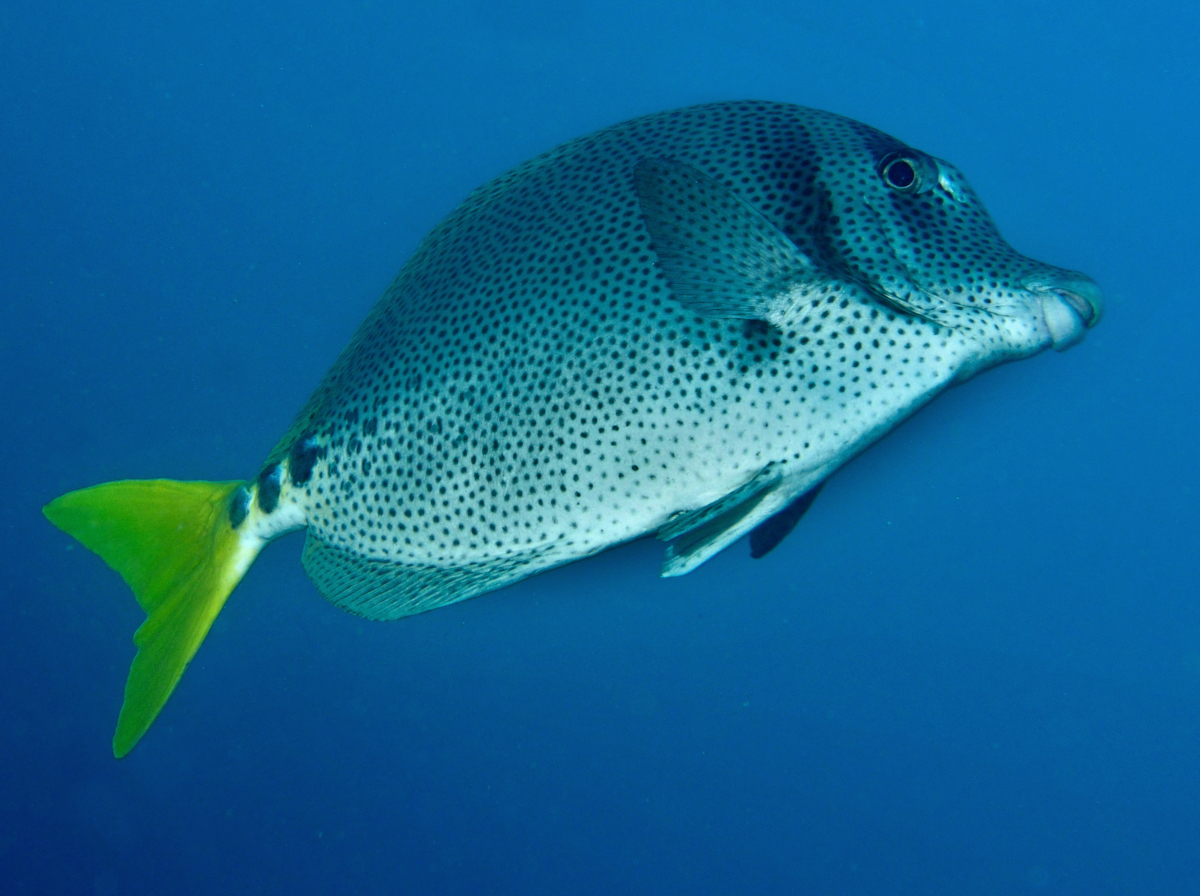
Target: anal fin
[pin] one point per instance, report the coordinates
(386, 589)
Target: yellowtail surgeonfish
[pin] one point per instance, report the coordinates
(679, 326)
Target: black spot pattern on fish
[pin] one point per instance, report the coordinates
(269, 488)
(529, 379)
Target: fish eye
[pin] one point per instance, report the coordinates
(900, 174)
(904, 173)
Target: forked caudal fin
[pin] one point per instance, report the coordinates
(174, 545)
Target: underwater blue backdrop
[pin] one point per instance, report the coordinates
(974, 667)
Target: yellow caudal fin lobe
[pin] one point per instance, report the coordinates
(175, 545)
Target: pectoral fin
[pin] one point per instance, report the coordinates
(722, 257)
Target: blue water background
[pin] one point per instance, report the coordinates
(974, 668)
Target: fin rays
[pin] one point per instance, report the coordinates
(173, 544)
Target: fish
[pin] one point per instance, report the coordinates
(679, 326)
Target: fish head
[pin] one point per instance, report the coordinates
(909, 229)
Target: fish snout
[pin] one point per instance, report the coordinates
(1071, 304)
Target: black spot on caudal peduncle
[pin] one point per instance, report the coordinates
(301, 460)
(239, 506)
(268, 488)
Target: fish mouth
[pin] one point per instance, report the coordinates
(1070, 307)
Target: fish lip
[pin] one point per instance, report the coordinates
(1078, 305)
(1071, 305)
(1087, 304)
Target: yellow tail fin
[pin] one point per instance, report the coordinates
(174, 544)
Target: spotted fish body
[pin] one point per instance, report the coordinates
(679, 326)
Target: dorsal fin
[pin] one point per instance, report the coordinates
(722, 257)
